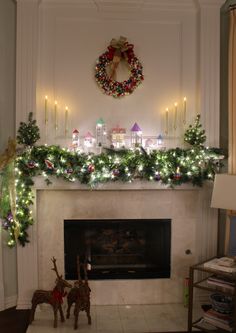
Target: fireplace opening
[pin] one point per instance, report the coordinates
(119, 249)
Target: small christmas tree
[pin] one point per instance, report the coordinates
(28, 133)
(195, 135)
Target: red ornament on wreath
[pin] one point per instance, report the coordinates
(118, 50)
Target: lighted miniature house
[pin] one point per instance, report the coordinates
(149, 144)
(88, 140)
(159, 140)
(101, 133)
(118, 137)
(136, 136)
(75, 139)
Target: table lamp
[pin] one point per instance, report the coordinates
(224, 197)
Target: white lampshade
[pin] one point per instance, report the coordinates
(224, 192)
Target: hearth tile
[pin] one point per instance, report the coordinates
(44, 322)
(107, 311)
(110, 330)
(165, 324)
(156, 310)
(131, 311)
(118, 319)
(132, 325)
(165, 317)
(109, 325)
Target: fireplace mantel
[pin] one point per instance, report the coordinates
(193, 221)
(60, 184)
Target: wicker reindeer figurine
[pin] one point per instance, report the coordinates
(80, 295)
(53, 297)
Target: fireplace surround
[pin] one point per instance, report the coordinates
(192, 223)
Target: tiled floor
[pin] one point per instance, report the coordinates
(118, 319)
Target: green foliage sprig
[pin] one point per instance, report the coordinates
(195, 134)
(28, 133)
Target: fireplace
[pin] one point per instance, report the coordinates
(119, 249)
(192, 222)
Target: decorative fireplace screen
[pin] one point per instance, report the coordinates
(119, 249)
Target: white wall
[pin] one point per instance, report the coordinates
(8, 276)
(178, 42)
(71, 39)
(58, 42)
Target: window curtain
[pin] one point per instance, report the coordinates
(232, 93)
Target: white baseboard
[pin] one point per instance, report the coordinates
(10, 301)
(2, 305)
(23, 305)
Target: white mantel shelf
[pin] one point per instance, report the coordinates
(60, 184)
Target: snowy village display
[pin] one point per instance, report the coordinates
(118, 137)
(136, 136)
(101, 133)
(89, 140)
(75, 139)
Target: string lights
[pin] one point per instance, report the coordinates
(171, 167)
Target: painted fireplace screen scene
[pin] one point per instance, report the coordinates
(119, 249)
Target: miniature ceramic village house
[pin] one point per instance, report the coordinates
(118, 137)
(136, 136)
(101, 133)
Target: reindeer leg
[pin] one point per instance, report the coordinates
(88, 314)
(61, 313)
(32, 313)
(68, 310)
(55, 316)
(76, 312)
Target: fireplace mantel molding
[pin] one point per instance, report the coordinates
(60, 184)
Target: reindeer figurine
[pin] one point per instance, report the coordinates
(53, 297)
(80, 295)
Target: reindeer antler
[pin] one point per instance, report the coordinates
(55, 267)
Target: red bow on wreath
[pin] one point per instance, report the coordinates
(119, 48)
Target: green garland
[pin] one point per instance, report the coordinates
(171, 167)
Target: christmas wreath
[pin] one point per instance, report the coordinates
(118, 50)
